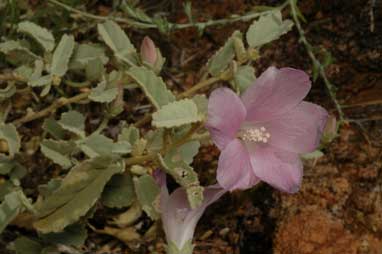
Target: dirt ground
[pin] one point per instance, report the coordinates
(339, 207)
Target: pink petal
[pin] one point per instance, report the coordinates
(234, 167)
(225, 115)
(276, 91)
(299, 130)
(179, 220)
(281, 169)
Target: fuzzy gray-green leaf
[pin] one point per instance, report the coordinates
(58, 151)
(244, 77)
(61, 55)
(73, 121)
(24, 245)
(78, 192)
(10, 208)
(113, 35)
(74, 235)
(221, 59)
(185, 176)
(9, 133)
(147, 192)
(42, 35)
(119, 192)
(102, 93)
(268, 28)
(152, 85)
(7, 91)
(176, 114)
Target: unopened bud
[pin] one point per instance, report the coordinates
(148, 51)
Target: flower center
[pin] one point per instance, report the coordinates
(255, 134)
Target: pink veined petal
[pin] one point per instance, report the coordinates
(276, 91)
(299, 130)
(234, 167)
(226, 112)
(281, 169)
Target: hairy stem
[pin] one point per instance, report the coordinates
(60, 102)
(173, 26)
(316, 62)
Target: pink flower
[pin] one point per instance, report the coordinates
(179, 220)
(148, 51)
(262, 133)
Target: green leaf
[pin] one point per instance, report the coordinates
(94, 70)
(268, 28)
(201, 102)
(45, 80)
(74, 235)
(78, 192)
(85, 54)
(53, 128)
(119, 192)
(176, 114)
(47, 189)
(62, 55)
(222, 58)
(17, 53)
(113, 35)
(102, 93)
(244, 77)
(9, 133)
(152, 85)
(185, 176)
(58, 151)
(10, 208)
(154, 140)
(24, 245)
(97, 144)
(147, 192)
(129, 134)
(6, 187)
(41, 35)
(73, 121)
(7, 92)
(135, 13)
(13, 169)
(24, 71)
(185, 152)
(37, 71)
(313, 155)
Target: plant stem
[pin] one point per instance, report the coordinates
(152, 156)
(140, 159)
(316, 62)
(173, 26)
(202, 84)
(60, 102)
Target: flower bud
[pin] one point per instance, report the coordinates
(330, 130)
(148, 51)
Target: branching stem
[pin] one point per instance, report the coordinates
(316, 62)
(173, 26)
(60, 102)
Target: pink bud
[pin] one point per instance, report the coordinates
(148, 51)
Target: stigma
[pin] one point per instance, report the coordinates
(255, 135)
